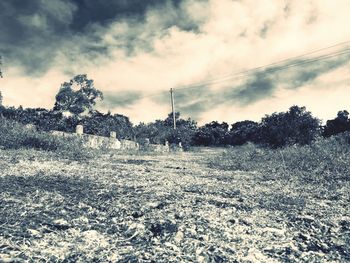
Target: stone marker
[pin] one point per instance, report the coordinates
(31, 127)
(113, 134)
(79, 129)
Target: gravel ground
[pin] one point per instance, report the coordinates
(164, 208)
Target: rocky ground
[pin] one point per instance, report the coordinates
(164, 208)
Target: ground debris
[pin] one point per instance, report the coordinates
(162, 208)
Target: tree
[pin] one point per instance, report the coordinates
(162, 130)
(184, 132)
(102, 124)
(338, 125)
(244, 131)
(77, 96)
(212, 134)
(296, 126)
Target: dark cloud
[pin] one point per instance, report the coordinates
(264, 30)
(31, 31)
(34, 32)
(120, 99)
(259, 85)
(103, 12)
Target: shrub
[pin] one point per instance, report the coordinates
(14, 135)
(323, 159)
(296, 126)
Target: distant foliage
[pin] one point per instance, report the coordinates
(161, 131)
(296, 126)
(14, 135)
(102, 124)
(244, 131)
(212, 134)
(338, 125)
(323, 160)
(184, 133)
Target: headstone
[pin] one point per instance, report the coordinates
(113, 134)
(31, 127)
(79, 129)
(166, 143)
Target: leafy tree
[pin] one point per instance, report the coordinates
(77, 96)
(155, 131)
(102, 124)
(338, 125)
(212, 134)
(162, 130)
(296, 126)
(244, 131)
(185, 130)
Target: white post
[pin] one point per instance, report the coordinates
(113, 134)
(79, 129)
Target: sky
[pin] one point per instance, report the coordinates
(227, 60)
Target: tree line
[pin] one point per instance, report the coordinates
(75, 102)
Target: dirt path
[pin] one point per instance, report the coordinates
(162, 208)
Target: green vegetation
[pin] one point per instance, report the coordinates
(76, 99)
(322, 161)
(14, 135)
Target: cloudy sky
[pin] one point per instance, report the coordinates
(227, 60)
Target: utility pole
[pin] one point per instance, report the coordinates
(173, 107)
(1, 76)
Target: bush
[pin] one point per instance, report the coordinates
(14, 135)
(324, 159)
(296, 126)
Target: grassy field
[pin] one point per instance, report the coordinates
(209, 205)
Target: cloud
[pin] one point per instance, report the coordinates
(35, 33)
(134, 49)
(120, 99)
(32, 31)
(258, 85)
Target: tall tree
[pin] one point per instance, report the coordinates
(212, 134)
(77, 96)
(296, 126)
(338, 125)
(244, 131)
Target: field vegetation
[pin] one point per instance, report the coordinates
(270, 191)
(239, 204)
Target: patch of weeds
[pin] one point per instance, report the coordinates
(162, 228)
(323, 161)
(282, 203)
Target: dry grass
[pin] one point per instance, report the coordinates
(121, 207)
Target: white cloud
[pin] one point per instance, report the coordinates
(232, 36)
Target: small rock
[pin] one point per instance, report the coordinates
(179, 236)
(34, 232)
(179, 215)
(61, 224)
(137, 214)
(232, 221)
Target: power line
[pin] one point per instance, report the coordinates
(252, 70)
(289, 59)
(245, 73)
